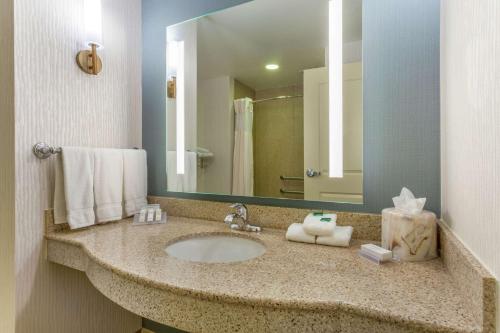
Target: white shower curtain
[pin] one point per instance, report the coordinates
(243, 148)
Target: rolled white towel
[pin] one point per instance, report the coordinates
(341, 236)
(320, 225)
(296, 233)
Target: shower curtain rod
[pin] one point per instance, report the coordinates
(276, 98)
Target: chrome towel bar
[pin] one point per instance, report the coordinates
(285, 178)
(43, 150)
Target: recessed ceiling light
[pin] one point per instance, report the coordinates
(272, 67)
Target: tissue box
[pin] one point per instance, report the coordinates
(409, 237)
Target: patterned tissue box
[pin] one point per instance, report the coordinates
(409, 237)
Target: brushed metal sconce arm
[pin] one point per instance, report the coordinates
(89, 61)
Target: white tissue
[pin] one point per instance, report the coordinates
(407, 203)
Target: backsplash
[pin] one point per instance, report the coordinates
(366, 226)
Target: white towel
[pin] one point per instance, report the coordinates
(74, 188)
(296, 233)
(135, 180)
(187, 181)
(190, 175)
(341, 236)
(108, 184)
(314, 226)
(174, 182)
(59, 200)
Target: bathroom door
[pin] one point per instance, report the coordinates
(320, 187)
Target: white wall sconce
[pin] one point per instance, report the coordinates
(335, 82)
(88, 60)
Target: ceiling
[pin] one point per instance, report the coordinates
(241, 40)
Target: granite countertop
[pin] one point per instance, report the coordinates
(289, 275)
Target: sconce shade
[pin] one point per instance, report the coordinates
(93, 23)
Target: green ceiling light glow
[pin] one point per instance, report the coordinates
(272, 67)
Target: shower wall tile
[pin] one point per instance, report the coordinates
(278, 135)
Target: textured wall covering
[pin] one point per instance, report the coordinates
(401, 100)
(59, 104)
(156, 16)
(7, 269)
(470, 125)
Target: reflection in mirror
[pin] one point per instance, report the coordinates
(248, 107)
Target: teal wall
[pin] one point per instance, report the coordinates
(400, 97)
(401, 100)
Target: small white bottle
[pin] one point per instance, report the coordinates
(151, 214)
(158, 215)
(142, 216)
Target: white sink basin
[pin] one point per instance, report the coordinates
(216, 249)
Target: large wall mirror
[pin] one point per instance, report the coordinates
(265, 99)
(323, 104)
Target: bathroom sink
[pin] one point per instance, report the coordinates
(216, 249)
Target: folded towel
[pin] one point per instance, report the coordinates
(296, 233)
(320, 225)
(74, 188)
(174, 181)
(190, 176)
(135, 180)
(108, 184)
(341, 236)
(59, 200)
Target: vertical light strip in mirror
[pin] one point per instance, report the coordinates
(335, 113)
(180, 109)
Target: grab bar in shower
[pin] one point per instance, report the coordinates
(285, 178)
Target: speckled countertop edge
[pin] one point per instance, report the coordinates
(263, 302)
(475, 282)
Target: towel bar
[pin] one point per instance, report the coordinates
(43, 150)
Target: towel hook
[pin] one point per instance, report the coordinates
(43, 150)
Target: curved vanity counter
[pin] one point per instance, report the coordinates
(292, 287)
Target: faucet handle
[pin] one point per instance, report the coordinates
(241, 209)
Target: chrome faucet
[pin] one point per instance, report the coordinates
(241, 216)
